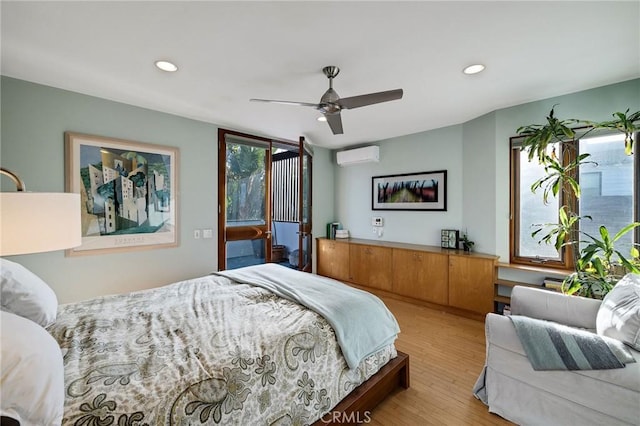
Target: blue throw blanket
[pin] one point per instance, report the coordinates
(552, 346)
(362, 323)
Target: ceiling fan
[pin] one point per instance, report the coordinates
(331, 104)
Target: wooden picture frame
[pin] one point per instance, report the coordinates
(410, 191)
(128, 192)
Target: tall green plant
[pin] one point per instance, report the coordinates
(625, 123)
(598, 265)
(596, 271)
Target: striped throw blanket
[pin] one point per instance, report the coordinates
(552, 346)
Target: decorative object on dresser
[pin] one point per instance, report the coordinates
(342, 233)
(467, 244)
(410, 191)
(128, 190)
(449, 238)
(332, 228)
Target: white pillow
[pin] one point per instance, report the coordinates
(32, 382)
(619, 313)
(24, 293)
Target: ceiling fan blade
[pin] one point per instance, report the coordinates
(316, 106)
(335, 122)
(369, 99)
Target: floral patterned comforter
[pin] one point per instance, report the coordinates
(202, 351)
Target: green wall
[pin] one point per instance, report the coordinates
(439, 149)
(476, 156)
(34, 118)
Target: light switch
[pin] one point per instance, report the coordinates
(207, 233)
(196, 234)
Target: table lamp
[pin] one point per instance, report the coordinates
(35, 222)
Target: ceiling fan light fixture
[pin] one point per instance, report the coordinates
(331, 104)
(473, 69)
(166, 66)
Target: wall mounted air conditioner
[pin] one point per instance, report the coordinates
(366, 154)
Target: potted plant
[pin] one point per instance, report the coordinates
(598, 263)
(467, 244)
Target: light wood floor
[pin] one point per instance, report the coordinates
(446, 355)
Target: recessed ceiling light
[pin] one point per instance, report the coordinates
(322, 118)
(167, 66)
(473, 69)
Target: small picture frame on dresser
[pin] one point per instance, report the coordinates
(449, 238)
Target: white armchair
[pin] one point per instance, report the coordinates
(513, 390)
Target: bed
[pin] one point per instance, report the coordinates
(221, 349)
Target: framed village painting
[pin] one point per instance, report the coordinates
(128, 193)
(410, 191)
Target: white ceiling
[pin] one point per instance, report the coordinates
(229, 52)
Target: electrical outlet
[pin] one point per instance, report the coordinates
(377, 221)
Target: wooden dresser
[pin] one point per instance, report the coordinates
(460, 282)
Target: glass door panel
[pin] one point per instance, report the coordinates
(245, 253)
(305, 237)
(285, 194)
(245, 185)
(245, 221)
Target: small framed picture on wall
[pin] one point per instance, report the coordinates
(410, 191)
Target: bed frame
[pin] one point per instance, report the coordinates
(355, 408)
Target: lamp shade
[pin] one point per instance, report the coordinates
(34, 222)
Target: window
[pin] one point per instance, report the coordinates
(608, 186)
